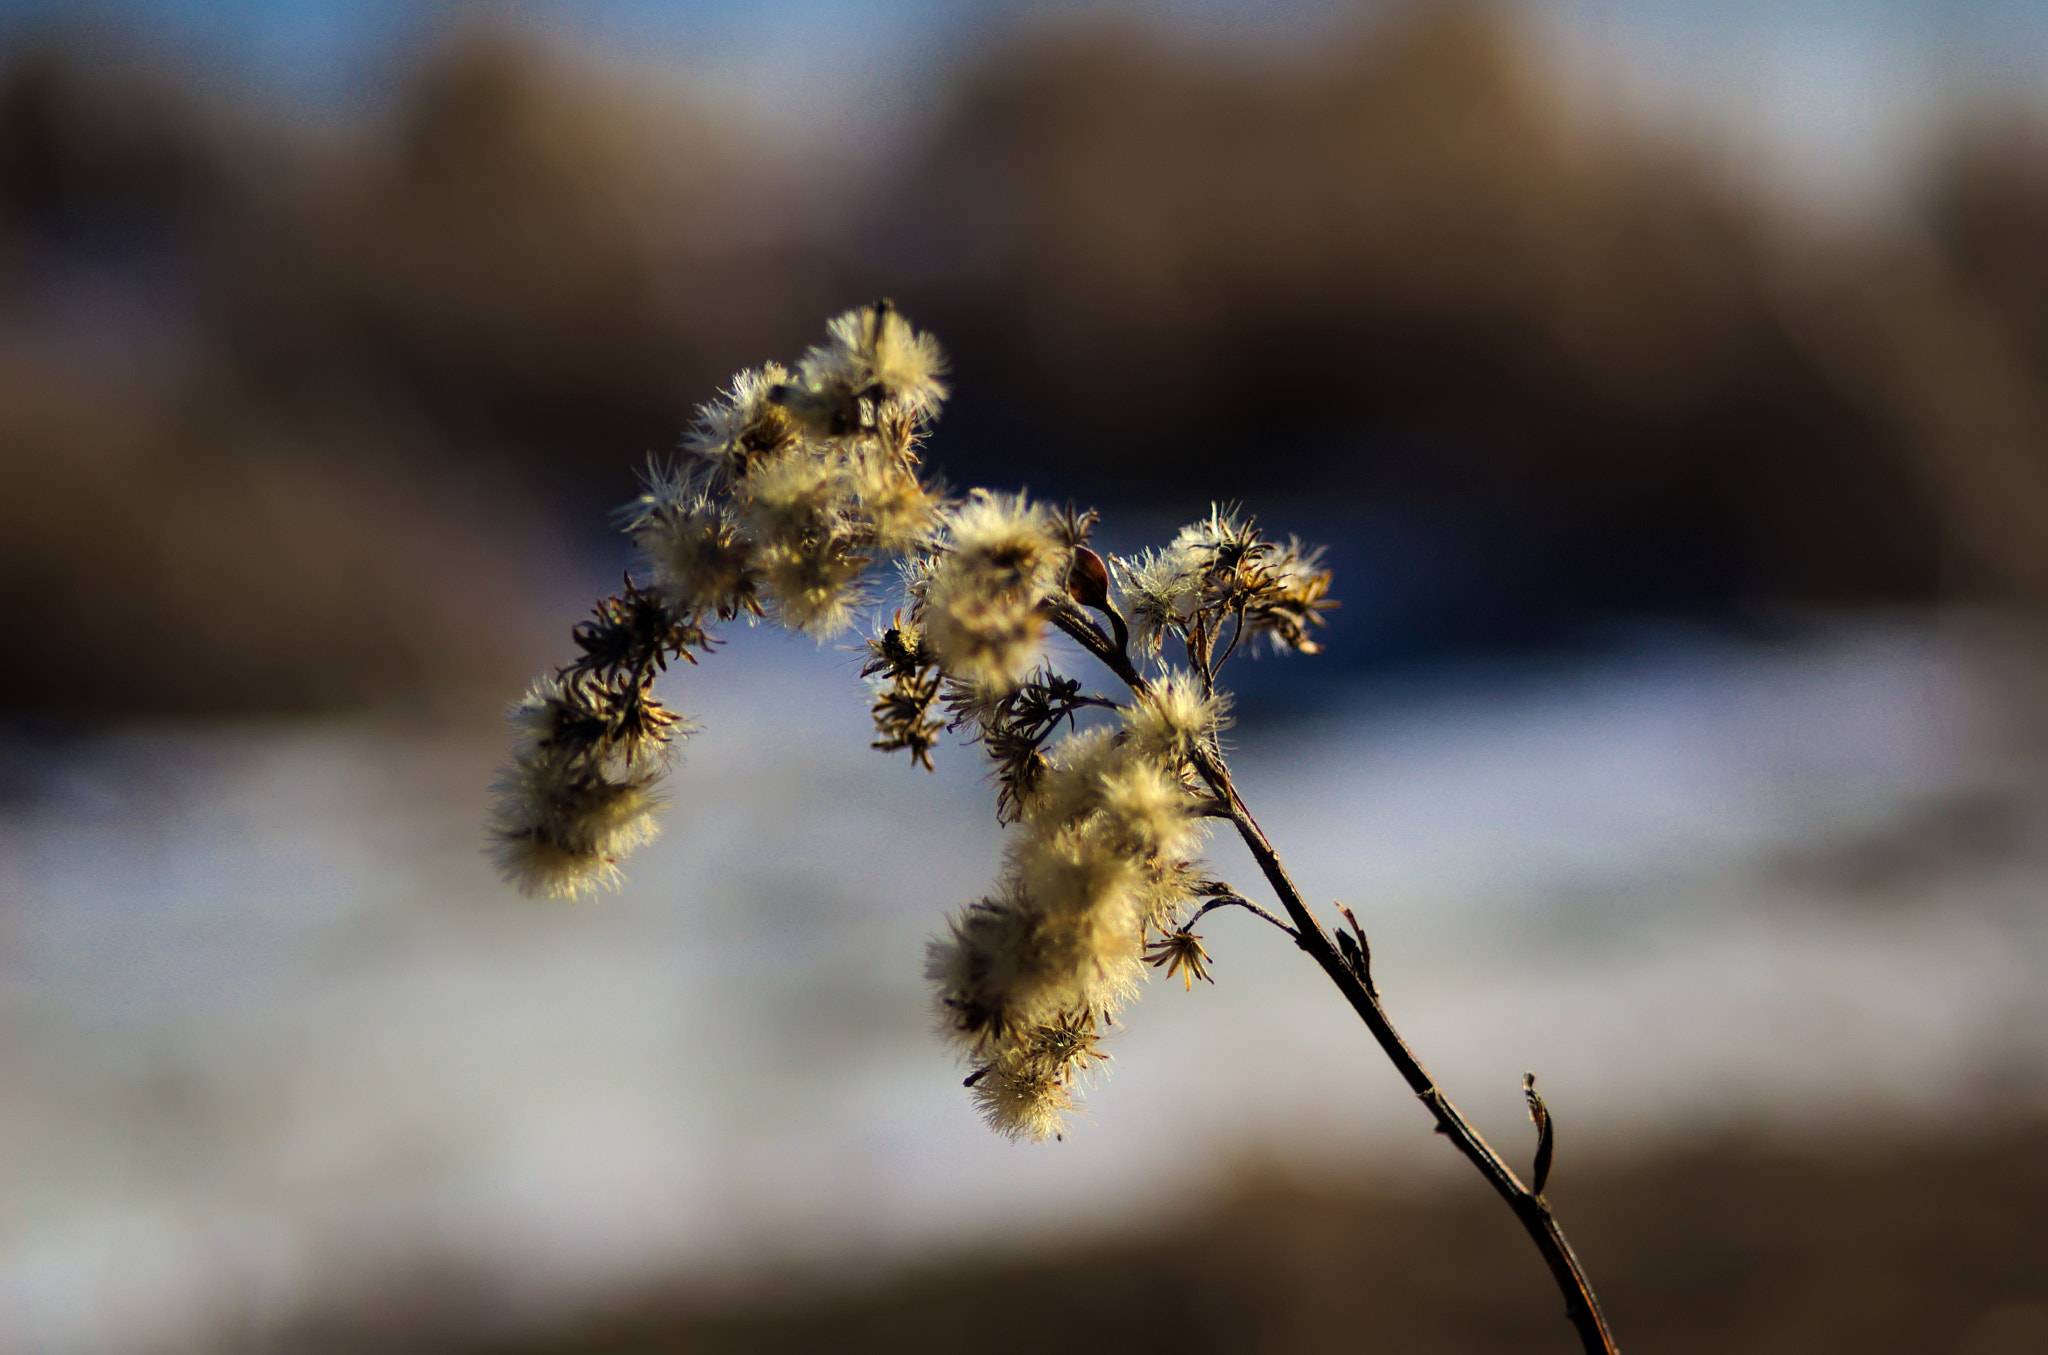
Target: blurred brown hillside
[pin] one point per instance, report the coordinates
(290, 401)
(1405, 275)
(288, 414)
(1869, 1246)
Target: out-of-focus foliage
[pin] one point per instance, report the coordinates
(275, 398)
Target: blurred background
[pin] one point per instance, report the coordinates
(1669, 383)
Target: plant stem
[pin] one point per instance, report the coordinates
(1234, 901)
(1582, 1307)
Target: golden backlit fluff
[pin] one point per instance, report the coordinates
(1149, 807)
(742, 427)
(902, 512)
(1175, 717)
(998, 562)
(874, 352)
(1097, 861)
(1027, 1103)
(1162, 590)
(695, 549)
(566, 809)
(790, 484)
(806, 549)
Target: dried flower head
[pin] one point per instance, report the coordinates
(1176, 716)
(873, 354)
(695, 550)
(579, 791)
(1180, 953)
(743, 428)
(1289, 597)
(980, 604)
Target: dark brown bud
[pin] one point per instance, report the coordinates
(1088, 579)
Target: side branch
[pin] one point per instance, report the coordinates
(1236, 901)
(1074, 623)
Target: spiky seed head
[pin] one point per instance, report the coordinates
(1180, 953)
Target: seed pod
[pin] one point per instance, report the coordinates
(1088, 579)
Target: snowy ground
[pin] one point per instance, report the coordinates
(272, 1037)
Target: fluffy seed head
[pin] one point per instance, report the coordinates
(806, 557)
(1169, 884)
(701, 561)
(981, 599)
(794, 498)
(813, 585)
(898, 507)
(1145, 804)
(1025, 1104)
(1062, 934)
(1071, 788)
(562, 838)
(875, 350)
(1087, 892)
(579, 793)
(1175, 717)
(744, 427)
(1162, 590)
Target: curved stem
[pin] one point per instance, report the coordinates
(1235, 901)
(1236, 634)
(1582, 1307)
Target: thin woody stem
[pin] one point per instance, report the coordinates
(1075, 624)
(1582, 1307)
(1236, 634)
(1235, 901)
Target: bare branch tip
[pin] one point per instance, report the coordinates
(1546, 1138)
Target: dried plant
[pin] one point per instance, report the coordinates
(793, 485)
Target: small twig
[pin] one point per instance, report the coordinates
(1121, 631)
(1581, 1306)
(1235, 901)
(1356, 949)
(1545, 1134)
